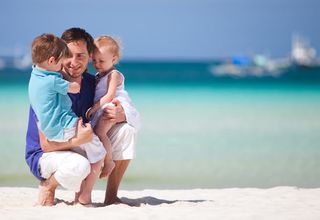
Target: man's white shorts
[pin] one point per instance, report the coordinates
(123, 139)
(69, 168)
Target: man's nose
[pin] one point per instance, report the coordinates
(73, 60)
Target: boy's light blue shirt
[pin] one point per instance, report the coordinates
(48, 94)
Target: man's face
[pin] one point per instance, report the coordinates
(76, 65)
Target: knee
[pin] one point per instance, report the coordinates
(73, 171)
(81, 167)
(103, 126)
(100, 131)
(96, 167)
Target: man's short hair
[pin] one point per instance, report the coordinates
(78, 34)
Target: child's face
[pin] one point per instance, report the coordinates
(56, 66)
(103, 59)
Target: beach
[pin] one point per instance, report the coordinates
(206, 150)
(230, 203)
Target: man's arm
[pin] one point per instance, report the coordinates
(83, 135)
(117, 114)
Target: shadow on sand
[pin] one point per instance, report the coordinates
(147, 200)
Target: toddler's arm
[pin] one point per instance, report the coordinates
(115, 80)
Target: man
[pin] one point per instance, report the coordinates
(66, 168)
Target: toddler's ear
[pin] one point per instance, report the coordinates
(115, 60)
(51, 60)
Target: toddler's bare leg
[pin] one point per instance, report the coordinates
(101, 129)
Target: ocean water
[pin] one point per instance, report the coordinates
(198, 131)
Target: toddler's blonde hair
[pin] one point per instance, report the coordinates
(113, 44)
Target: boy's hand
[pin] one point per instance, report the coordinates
(83, 135)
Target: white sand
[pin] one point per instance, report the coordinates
(249, 203)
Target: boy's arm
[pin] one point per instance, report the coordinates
(83, 135)
(64, 87)
(114, 80)
(74, 87)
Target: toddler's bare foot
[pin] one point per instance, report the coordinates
(107, 169)
(84, 198)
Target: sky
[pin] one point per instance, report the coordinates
(167, 29)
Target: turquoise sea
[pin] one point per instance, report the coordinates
(198, 131)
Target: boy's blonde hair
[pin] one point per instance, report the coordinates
(46, 46)
(113, 44)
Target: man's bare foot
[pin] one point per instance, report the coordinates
(46, 194)
(112, 201)
(107, 169)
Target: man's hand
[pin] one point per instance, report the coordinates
(114, 113)
(83, 135)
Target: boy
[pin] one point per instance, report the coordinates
(52, 105)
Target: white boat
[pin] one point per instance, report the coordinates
(302, 53)
(257, 66)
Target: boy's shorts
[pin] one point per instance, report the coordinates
(93, 150)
